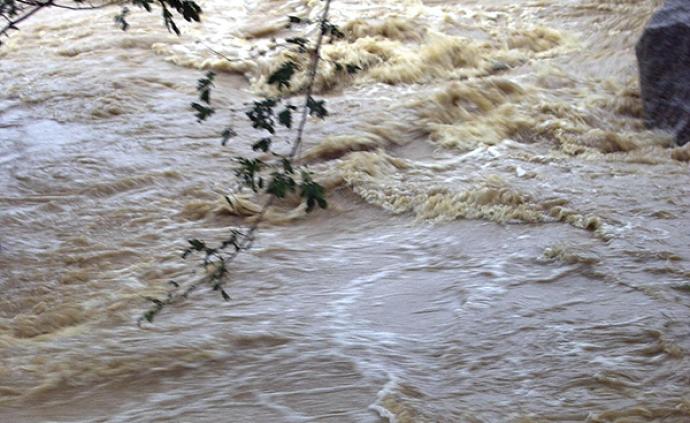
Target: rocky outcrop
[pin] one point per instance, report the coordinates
(663, 55)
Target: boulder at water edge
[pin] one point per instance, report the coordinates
(663, 54)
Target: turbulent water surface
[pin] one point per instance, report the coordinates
(505, 241)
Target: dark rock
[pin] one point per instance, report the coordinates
(663, 55)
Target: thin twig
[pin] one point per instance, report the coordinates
(13, 23)
(89, 7)
(38, 5)
(81, 6)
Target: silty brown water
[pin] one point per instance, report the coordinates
(505, 242)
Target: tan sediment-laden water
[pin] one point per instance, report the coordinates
(505, 241)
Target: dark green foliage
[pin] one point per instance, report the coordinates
(13, 12)
(189, 10)
(352, 69)
(248, 172)
(145, 4)
(252, 172)
(280, 185)
(300, 42)
(282, 76)
(227, 134)
(263, 144)
(285, 116)
(202, 112)
(234, 240)
(121, 19)
(10, 8)
(312, 192)
(331, 30)
(296, 20)
(274, 178)
(203, 87)
(287, 165)
(169, 21)
(226, 297)
(317, 107)
(261, 115)
(150, 314)
(197, 245)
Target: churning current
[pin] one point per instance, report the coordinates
(505, 240)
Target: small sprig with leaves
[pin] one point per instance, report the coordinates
(15, 12)
(274, 178)
(203, 87)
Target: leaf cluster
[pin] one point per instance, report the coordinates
(15, 11)
(270, 174)
(188, 9)
(9, 8)
(330, 30)
(203, 109)
(282, 76)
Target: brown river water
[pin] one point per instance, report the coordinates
(505, 241)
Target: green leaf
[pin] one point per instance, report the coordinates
(169, 21)
(312, 192)
(227, 134)
(352, 69)
(197, 245)
(285, 118)
(203, 87)
(156, 301)
(189, 10)
(206, 82)
(121, 19)
(263, 144)
(287, 166)
(248, 170)
(280, 185)
(261, 115)
(328, 28)
(202, 112)
(300, 42)
(233, 240)
(282, 75)
(146, 4)
(149, 315)
(316, 107)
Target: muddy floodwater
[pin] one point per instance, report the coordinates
(505, 240)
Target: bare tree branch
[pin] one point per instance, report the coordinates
(12, 24)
